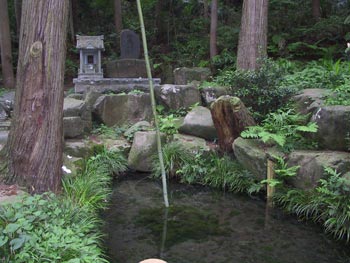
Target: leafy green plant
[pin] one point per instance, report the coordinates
(282, 171)
(46, 228)
(168, 124)
(261, 90)
(284, 128)
(327, 204)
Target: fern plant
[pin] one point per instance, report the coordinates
(284, 128)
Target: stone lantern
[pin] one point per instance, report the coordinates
(90, 57)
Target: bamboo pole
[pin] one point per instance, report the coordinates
(153, 102)
(270, 175)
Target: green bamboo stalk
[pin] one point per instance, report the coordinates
(153, 102)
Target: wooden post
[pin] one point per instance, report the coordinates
(270, 175)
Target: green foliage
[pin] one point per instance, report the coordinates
(90, 187)
(106, 131)
(341, 95)
(50, 228)
(168, 124)
(205, 169)
(286, 129)
(261, 90)
(282, 171)
(319, 74)
(328, 204)
(46, 228)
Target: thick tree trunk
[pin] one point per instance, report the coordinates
(316, 9)
(18, 13)
(35, 142)
(118, 16)
(252, 43)
(5, 46)
(230, 118)
(213, 28)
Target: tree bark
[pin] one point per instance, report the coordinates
(5, 46)
(316, 9)
(71, 22)
(205, 9)
(118, 16)
(213, 28)
(34, 147)
(18, 13)
(252, 43)
(230, 118)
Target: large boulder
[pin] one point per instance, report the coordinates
(312, 165)
(253, 156)
(175, 97)
(143, 150)
(192, 143)
(211, 93)
(76, 148)
(123, 109)
(333, 127)
(75, 127)
(183, 76)
(309, 100)
(76, 118)
(198, 122)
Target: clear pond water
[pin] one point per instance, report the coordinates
(208, 226)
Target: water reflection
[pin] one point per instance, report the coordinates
(208, 226)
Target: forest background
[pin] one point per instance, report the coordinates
(179, 31)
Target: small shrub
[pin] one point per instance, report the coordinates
(284, 128)
(261, 89)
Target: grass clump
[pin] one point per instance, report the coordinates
(204, 168)
(64, 228)
(328, 204)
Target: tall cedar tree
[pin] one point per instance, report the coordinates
(252, 43)
(5, 46)
(34, 148)
(213, 28)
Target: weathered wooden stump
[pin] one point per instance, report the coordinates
(230, 118)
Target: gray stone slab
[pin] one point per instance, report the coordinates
(129, 44)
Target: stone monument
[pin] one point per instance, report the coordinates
(124, 75)
(129, 65)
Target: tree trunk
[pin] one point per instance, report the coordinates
(316, 9)
(18, 13)
(5, 46)
(213, 28)
(71, 22)
(118, 16)
(34, 148)
(252, 43)
(230, 118)
(205, 9)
